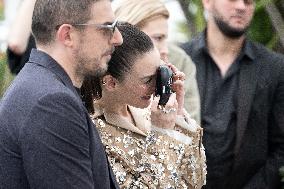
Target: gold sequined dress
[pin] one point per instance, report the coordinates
(145, 156)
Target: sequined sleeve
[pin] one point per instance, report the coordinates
(189, 127)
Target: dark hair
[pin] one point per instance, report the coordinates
(48, 14)
(135, 44)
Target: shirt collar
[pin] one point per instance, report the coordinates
(247, 49)
(201, 45)
(142, 124)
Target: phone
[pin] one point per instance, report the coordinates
(163, 84)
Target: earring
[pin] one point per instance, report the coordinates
(104, 82)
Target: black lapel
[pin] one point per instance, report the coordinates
(45, 60)
(247, 86)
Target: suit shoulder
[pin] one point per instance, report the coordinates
(264, 53)
(29, 88)
(63, 102)
(269, 64)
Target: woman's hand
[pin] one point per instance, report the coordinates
(164, 117)
(178, 87)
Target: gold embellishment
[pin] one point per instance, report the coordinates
(154, 161)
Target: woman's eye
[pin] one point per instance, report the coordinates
(148, 81)
(158, 38)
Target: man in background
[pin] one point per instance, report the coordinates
(241, 87)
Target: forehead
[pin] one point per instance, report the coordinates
(102, 12)
(246, 2)
(147, 64)
(157, 25)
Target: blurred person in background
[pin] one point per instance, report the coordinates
(151, 16)
(241, 85)
(20, 41)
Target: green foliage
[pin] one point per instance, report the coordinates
(199, 20)
(183, 28)
(2, 69)
(261, 29)
(260, 4)
(198, 12)
(1, 10)
(5, 76)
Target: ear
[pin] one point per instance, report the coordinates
(65, 34)
(109, 82)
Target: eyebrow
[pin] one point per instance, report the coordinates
(159, 35)
(148, 76)
(108, 23)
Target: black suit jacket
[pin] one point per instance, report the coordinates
(259, 146)
(47, 139)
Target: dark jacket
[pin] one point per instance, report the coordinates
(47, 139)
(259, 145)
(17, 61)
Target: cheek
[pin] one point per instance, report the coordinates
(97, 45)
(148, 89)
(250, 13)
(158, 45)
(141, 91)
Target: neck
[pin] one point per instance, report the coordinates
(67, 63)
(219, 44)
(223, 50)
(111, 105)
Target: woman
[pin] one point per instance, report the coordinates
(157, 148)
(151, 16)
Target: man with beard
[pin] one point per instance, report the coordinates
(47, 139)
(241, 87)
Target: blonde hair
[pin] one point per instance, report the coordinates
(140, 12)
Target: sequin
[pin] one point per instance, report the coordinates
(101, 123)
(131, 153)
(117, 139)
(121, 177)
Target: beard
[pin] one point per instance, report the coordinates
(93, 67)
(89, 66)
(228, 30)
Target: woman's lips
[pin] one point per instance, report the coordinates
(148, 97)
